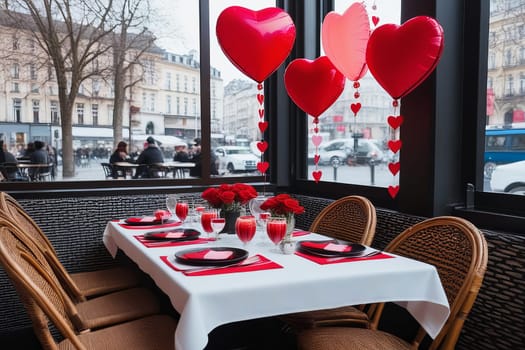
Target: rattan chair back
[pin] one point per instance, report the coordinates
(30, 228)
(351, 218)
(459, 252)
(38, 288)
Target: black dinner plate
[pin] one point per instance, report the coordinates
(355, 249)
(179, 234)
(134, 221)
(237, 256)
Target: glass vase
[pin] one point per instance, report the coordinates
(230, 216)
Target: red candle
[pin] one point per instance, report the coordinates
(206, 217)
(276, 229)
(245, 227)
(181, 210)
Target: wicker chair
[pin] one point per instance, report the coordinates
(353, 219)
(459, 252)
(44, 301)
(80, 285)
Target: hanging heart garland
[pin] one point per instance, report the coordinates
(395, 122)
(263, 126)
(393, 190)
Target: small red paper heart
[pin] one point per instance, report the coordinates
(263, 166)
(317, 175)
(260, 98)
(395, 122)
(394, 145)
(262, 146)
(261, 112)
(316, 130)
(355, 107)
(394, 168)
(375, 20)
(316, 159)
(263, 126)
(393, 190)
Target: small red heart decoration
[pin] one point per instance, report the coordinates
(394, 168)
(256, 42)
(313, 85)
(316, 130)
(260, 98)
(393, 190)
(317, 175)
(375, 20)
(263, 166)
(394, 145)
(316, 159)
(261, 112)
(401, 57)
(395, 122)
(262, 146)
(355, 107)
(263, 126)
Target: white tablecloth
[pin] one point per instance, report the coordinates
(205, 302)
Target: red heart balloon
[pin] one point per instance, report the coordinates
(393, 190)
(317, 175)
(394, 168)
(402, 57)
(256, 42)
(395, 122)
(263, 166)
(262, 146)
(394, 145)
(313, 85)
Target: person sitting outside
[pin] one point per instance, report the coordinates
(151, 155)
(119, 155)
(39, 156)
(6, 158)
(181, 154)
(197, 159)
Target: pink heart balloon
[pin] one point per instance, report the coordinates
(402, 57)
(344, 39)
(256, 42)
(313, 85)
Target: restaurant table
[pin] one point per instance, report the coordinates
(299, 284)
(176, 168)
(28, 170)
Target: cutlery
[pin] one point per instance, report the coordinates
(249, 261)
(152, 242)
(374, 253)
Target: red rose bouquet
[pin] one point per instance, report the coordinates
(229, 197)
(282, 205)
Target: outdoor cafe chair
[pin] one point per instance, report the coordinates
(459, 252)
(79, 285)
(45, 304)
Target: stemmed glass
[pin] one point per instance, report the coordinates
(245, 227)
(206, 218)
(217, 224)
(263, 221)
(276, 229)
(171, 203)
(181, 210)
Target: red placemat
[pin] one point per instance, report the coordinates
(160, 244)
(336, 260)
(264, 264)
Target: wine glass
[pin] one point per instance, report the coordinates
(181, 210)
(263, 221)
(276, 229)
(245, 227)
(171, 202)
(206, 217)
(217, 224)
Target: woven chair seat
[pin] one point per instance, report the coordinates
(341, 316)
(99, 282)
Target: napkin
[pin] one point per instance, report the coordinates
(160, 244)
(162, 214)
(209, 254)
(169, 234)
(300, 233)
(264, 264)
(149, 227)
(333, 247)
(336, 260)
(144, 219)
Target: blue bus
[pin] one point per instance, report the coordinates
(503, 146)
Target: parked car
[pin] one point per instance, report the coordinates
(503, 146)
(235, 159)
(509, 178)
(341, 151)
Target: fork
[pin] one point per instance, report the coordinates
(374, 253)
(249, 261)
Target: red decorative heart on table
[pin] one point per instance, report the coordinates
(394, 167)
(317, 175)
(395, 122)
(260, 98)
(262, 146)
(256, 42)
(394, 145)
(313, 85)
(263, 126)
(263, 166)
(316, 159)
(355, 107)
(375, 20)
(401, 57)
(393, 190)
